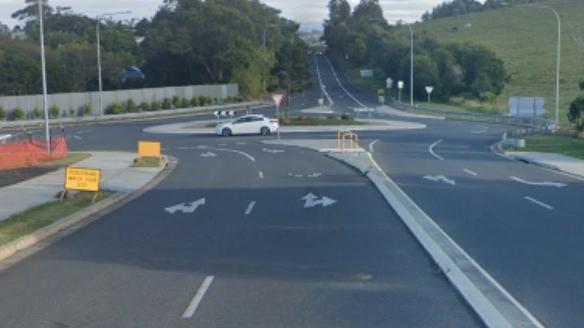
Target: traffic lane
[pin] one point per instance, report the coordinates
(342, 102)
(490, 218)
(140, 265)
(107, 276)
(354, 262)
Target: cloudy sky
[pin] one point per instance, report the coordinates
(309, 12)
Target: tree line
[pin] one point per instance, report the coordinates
(463, 7)
(364, 38)
(186, 42)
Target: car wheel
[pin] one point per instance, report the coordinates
(226, 132)
(265, 131)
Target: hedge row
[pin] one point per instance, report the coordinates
(130, 106)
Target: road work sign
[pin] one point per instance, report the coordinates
(82, 179)
(148, 149)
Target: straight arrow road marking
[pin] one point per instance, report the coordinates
(481, 130)
(431, 149)
(440, 178)
(540, 184)
(250, 208)
(311, 200)
(190, 311)
(185, 208)
(542, 204)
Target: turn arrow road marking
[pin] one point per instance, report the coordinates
(440, 178)
(311, 200)
(186, 208)
(540, 184)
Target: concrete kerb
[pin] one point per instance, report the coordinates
(492, 303)
(21, 248)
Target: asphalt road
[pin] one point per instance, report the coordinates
(275, 263)
(524, 232)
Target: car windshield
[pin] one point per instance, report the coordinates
(278, 163)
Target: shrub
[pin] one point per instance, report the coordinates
(36, 113)
(155, 105)
(116, 108)
(2, 114)
(166, 103)
(18, 114)
(184, 103)
(130, 106)
(54, 111)
(215, 100)
(71, 112)
(144, 107)
(202, 100)
(194, 102)
(85, 110)
(176, 102)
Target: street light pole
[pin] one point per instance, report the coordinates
(98, 43)
(44, 77)
(411, 65)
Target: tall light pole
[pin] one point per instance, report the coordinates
(411, 65)
(558, 59)
(98, 38)
(44, 69)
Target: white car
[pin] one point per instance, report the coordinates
(248, 124)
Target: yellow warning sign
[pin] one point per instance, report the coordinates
(149, 149)
(82, 179)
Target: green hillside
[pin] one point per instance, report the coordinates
(525, 38)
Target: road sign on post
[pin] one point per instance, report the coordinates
(149, 149)
(277, 98)
(429, 92)
(400, 86)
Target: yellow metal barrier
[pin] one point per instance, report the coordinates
(347, 140)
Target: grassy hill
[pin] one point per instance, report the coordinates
(525, 38)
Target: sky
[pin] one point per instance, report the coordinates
(310, 13)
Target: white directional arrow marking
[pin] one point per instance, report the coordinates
(208, 154)
(311, 200)
(273, 151)
(440, 178)
(541, 184)
(315, 175)
(186, 208)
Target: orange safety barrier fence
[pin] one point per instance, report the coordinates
(31, 153)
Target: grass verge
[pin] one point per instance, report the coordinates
(154, 162)
(71, 159)
(569, 146)
(31, 220)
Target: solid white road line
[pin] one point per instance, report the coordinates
(251, 158)
(250, 208)
(371, 145)
(542, 204)
(322, 87)
(341, 84)
(431, 149)
(540, 184)
(261, 174)
(190, 311)
(471, 172)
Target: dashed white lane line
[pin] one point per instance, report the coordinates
(537, 202)
(250, 208)
(471, 172)
(190, 311)
(261, 174)
(371, 145)
(431, 149)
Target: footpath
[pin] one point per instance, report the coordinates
(117, 176)
(570, 165)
